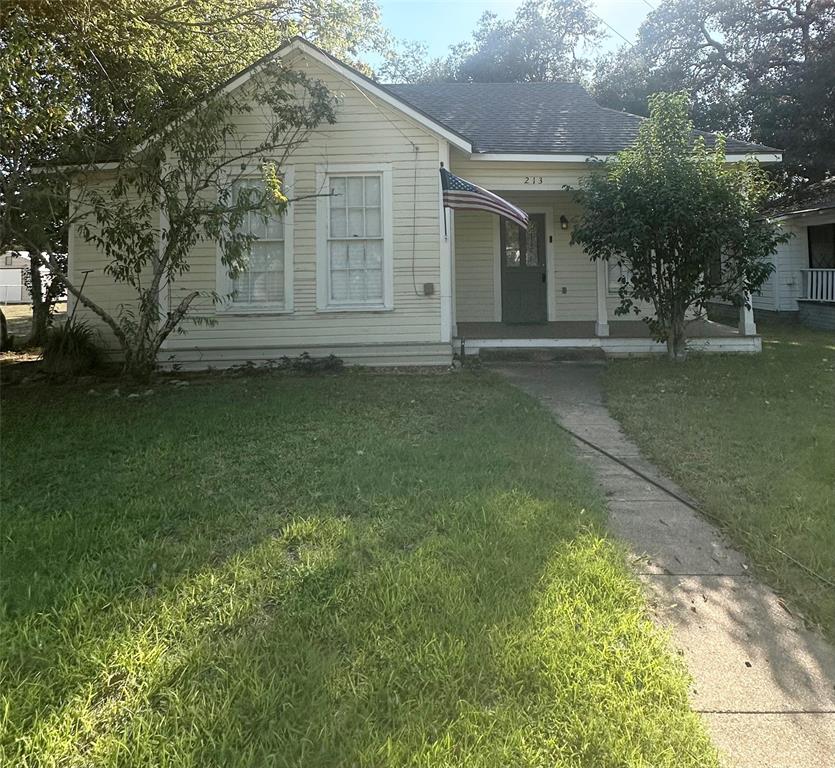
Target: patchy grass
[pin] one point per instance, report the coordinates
(353, 570)
(754, 439)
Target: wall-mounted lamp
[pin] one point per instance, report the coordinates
(563, 222)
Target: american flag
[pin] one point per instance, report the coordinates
(463, 194)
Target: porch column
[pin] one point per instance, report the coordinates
(747, 326)
(601, 327)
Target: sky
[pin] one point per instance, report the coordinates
(441, 23)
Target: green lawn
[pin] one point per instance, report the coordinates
(353, 570)
(753, 438)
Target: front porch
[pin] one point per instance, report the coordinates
(536, 289)
(625, 337)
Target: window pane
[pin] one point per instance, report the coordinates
(533, 258)
(355, 223)
(356, 285)
(356, 254)
(339, 255)
(373, 222)
(511, 243)
(339, 285)
(374, 253)
(372, 191)
(338, 222)
(275, 226)
(337, 185)
(355, 197)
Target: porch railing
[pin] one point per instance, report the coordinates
(818, 284)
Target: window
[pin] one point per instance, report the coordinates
(616, 273)
(265, 285)
(355, 240)
(822, 247)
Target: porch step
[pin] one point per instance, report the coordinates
(540, 354)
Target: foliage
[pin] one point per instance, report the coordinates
(328, 571)
(186, 173)
(683, 223)
(72, 348)
(543, 41)
(85, 82)
(761, 71)
(752, 437)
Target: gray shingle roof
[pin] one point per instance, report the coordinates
(536, 118)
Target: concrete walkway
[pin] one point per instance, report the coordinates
(764, 685)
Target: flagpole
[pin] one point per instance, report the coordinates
(443, 207)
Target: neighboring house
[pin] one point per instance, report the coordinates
(375, 272)
(803, 281)
(13, 267)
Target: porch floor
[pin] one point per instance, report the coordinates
(581, 329)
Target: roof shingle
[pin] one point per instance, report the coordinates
(534, 118)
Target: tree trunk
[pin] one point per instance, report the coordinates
(676, 338)
(4, 334)
(40, 308)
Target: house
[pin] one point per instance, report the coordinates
(803, 281)
(13, 268)
(378, 273)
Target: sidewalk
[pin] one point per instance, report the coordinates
(764, 685)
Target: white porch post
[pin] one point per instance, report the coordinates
(446, 275)
(747, 326)
(601, 328)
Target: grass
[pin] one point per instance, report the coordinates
(753, 438)
(339, 571)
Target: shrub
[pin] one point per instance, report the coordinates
(71, 348)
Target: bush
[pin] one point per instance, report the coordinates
(71, 348)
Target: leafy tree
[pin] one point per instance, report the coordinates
(543, 41)
(84, 82)
(187, 172)
(683, 225)
(760, 69)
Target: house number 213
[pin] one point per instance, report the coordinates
(533, 179)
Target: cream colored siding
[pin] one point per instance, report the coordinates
(476, 255)
(99, 286)
(367, 131)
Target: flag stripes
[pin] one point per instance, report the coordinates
(458, 193)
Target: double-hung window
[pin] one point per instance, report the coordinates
(355, 239)
(265, 282)
(617, 274)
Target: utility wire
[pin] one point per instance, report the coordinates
(678, 497)
(607, 24)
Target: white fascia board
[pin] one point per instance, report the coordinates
(437, 128)
(542, 158)
(535, 158)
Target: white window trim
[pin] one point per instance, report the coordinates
(224, 282)
(323, 288)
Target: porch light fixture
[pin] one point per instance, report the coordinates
(563, 222)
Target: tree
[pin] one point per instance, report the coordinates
(760, 70)
(683, 225)
(187, 172)
(84, 82)
(543, 41)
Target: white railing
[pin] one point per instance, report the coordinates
(818, 284)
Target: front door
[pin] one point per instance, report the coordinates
(524, 287)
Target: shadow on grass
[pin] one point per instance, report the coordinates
(324, 572)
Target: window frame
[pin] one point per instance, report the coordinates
(324, 303)
(225, 283)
